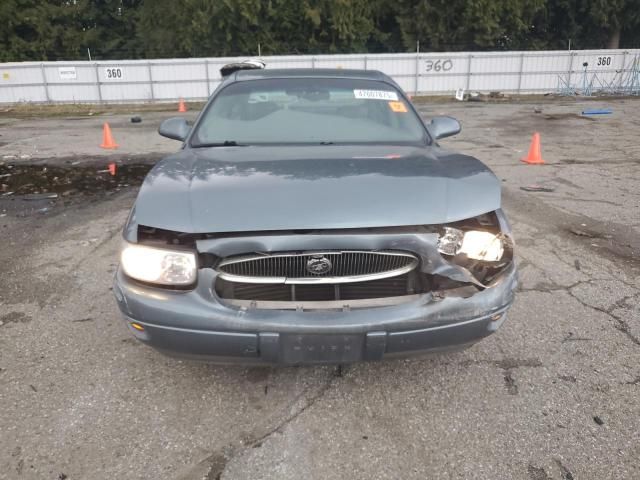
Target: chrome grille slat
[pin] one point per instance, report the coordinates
(293, 268)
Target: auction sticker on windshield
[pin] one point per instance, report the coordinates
(398, 107)
(376, 94)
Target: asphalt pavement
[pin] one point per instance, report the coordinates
(555, 394)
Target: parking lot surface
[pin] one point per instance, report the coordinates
(553, 395)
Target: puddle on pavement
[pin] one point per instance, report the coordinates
(27, 189)
(21, 180)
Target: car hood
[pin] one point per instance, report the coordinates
(257, 188)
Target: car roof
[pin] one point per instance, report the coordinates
(255, 74)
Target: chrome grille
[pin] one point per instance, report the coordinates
(387, 287)
(317, 267)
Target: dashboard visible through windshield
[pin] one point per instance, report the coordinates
(308, 111)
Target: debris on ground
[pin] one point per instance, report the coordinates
(510, 383)
(581, 233)
(597, 111)
(537, 188)
(136, 119)
(576, 263)
(82, 320)
(564, 471)
(572, 338)
(490, 97)
(86, 243)
(39, 196)
(537, 473)
(598, 420)
(567, 116)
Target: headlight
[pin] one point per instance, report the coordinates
(475, 244)
(158, 265)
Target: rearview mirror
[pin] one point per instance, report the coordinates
(175, 128)
(441, 127)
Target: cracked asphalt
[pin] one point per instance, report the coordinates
(553, 395)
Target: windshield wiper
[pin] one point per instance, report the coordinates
(226, 143)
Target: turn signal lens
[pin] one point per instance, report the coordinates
(158, 265)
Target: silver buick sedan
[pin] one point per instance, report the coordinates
(311, 217)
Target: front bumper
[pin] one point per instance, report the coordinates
(196, 324)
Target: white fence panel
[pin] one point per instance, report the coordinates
(548, 62)
(290, 61)
(124, 81)
(77, 94)
(440, 73)
(68, 82)
(401, 67)
(340, 61)
(22, 83)
(393, 65)
(170, 80)
(22, 94)
(424, 73)
(21, 75)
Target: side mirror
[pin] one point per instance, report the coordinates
(441, 127)
(175, 128)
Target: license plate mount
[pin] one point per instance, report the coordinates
(321, 348)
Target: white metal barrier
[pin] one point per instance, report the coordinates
(422, 74)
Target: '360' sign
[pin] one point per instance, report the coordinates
(439, 65)
(113, 73)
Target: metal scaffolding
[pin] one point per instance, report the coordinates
(624, 81)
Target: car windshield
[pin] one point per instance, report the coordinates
(308, 111)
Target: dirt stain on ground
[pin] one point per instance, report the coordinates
(14, 317)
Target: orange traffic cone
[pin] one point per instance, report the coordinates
(534, 157)
(112, 169)
(181, 106)
(107, 138)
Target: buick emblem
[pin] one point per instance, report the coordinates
(319, 265)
